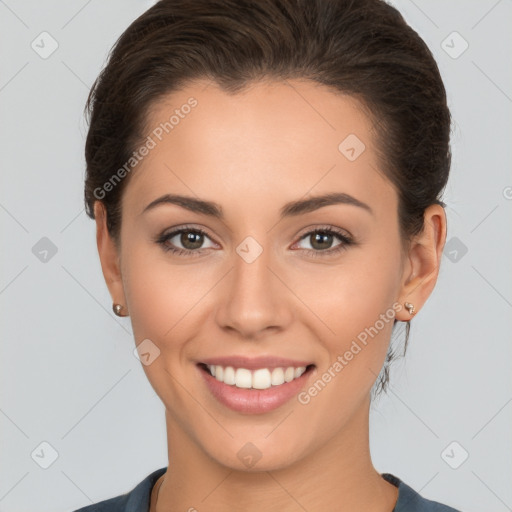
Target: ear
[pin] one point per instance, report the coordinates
(109, 256)
(423, 261)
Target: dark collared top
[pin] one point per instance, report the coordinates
(137, 500)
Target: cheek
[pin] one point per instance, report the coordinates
(153, 292)
(163, 298)
(359, 314)
(354, 302)
(160, 299)
(352, 296)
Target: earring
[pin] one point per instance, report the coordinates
(409, 307)
(117, 308)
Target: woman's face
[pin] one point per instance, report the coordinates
(259, 283)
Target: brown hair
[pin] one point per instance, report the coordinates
(363, 48)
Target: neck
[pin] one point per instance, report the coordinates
(337, 476)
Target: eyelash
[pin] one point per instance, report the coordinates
(330, 230)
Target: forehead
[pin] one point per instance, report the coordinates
(277, 140)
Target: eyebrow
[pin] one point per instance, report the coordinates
(290, 209)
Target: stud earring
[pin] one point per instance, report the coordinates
(117, 308)
(410, 308)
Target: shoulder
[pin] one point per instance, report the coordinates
(137, 500)
(411, 501)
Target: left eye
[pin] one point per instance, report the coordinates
(321, 240)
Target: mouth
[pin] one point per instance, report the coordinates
(261, 378)
(254, 391)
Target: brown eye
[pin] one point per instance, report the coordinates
(191, 239)
(321, 241)
(184, 241)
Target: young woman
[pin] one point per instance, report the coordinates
(266, 180)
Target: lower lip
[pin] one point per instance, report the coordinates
(254, 401)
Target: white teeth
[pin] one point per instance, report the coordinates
(243, 378)
(262, 378)
(229, 376)
(277, 376)
(289, 374)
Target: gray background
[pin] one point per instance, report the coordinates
(68, 374)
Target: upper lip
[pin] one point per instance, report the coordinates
(254, 363)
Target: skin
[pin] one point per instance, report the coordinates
(253, 152)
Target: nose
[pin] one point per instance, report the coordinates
(253, 299)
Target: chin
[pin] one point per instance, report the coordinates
(255, 456)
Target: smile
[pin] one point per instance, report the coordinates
(262, 378)
(255, 391)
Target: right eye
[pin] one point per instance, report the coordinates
(191, 240)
